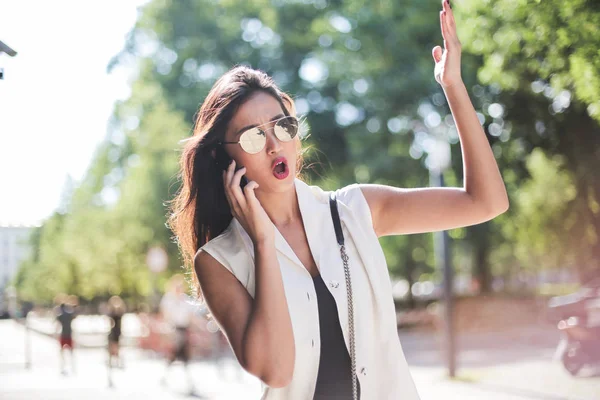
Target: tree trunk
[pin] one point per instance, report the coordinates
(482, 268)
(410, 270)
(480, 238)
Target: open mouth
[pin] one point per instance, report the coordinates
(280, 168)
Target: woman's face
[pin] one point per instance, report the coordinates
(261, 110)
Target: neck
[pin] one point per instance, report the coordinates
(281, 207)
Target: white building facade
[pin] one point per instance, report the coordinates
(14, 248)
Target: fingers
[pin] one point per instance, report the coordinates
(448, 33)
(225, 181)
(448, 9)
(443, 27)
(249, 192)
(237, 177)
(449, 22)
(233, 191)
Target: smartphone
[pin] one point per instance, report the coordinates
(223, 160)
(243, 180)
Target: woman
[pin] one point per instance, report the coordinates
(272, 275)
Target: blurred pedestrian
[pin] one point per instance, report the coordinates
(178, 312)
(116, 310)
(65, 314)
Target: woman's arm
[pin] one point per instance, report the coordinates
(259, 330)
(401, 211)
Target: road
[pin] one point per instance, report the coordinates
(501, 367)
(515, 364)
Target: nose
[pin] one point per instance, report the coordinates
(273, 144)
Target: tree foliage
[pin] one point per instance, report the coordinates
(542, 58)
(362, 77)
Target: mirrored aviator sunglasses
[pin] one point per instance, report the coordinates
(253, 140)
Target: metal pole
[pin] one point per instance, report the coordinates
(155, 293)
(27, 345)
(443, 261)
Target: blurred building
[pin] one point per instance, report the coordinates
(14, 247)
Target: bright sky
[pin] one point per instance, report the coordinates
(56, 97)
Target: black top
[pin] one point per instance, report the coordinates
(334, 381)
(115, 330)
(65, 317)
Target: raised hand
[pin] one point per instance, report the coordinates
(447, 60)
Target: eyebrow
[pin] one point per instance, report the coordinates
(278, 116)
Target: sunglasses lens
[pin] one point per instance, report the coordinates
(286, 129)
(253, 140)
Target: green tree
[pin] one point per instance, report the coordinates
(542, 59)
(362, 76)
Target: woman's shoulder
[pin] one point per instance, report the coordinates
(229, 249)
(350, 199)
(352, 203)
(350, 194)
(347, 195)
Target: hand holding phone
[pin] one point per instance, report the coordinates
(223, 161)
(245, 207)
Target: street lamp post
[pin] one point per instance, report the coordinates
(27, 344)
(438, 160)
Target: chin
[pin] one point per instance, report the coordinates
(281, 185)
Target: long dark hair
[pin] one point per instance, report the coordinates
(200, 211)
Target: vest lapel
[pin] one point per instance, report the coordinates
(280, 243)
(284, 248)
(315, 215)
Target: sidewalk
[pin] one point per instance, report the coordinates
(511, 372)
(141, 377)
(516, 364)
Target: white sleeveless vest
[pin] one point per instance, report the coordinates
(380, 363)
